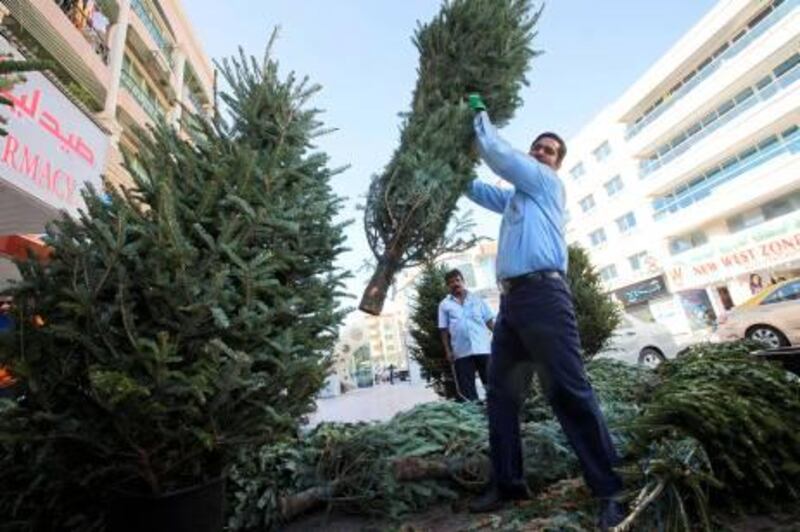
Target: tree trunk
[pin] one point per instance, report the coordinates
(299, 503)
(375, 293)
(418, 468)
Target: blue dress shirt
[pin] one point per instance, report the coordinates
(466, 323)
(532, 228)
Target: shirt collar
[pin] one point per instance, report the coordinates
(454, 298)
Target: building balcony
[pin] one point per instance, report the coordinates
(138, 109)
(748, 50)
(751, 181)
(76, 41)
(782, 78)
(773, 114)
(151, 27)
(152, 48)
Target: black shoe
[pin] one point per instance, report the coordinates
(612, 513)
(517, 493)
(494, 498)
(491, 501)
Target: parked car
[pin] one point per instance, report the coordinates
(772, 316)
(640, 342)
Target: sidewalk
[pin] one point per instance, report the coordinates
(377, 403)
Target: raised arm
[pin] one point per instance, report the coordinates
(524, 172)
(489, 196)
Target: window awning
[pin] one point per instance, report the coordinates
(18, 246)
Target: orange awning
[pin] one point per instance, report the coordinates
(17, 247)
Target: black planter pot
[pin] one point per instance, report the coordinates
(196, 509)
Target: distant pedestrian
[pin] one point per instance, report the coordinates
(465, 322)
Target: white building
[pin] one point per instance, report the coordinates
(690, 181)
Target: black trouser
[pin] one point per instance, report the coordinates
(536, 330)
(466, 367)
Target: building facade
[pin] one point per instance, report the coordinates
(116, 65)
(686, 190)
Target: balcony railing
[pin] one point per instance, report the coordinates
(91, 21)
(765, 89)
(703, 185)
(150, 107)
(194, 99)
(149, 20)
(779, 10)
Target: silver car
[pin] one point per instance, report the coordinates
(640, 342)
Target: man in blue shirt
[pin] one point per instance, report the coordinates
(536, 328)
(465, 321)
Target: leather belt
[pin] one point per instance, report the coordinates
(507, 285)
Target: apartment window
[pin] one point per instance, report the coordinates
(608, 273)
(626, 222)
(587, 203)
(602, 152)
(685, 243)
(637, 261)
(613, 185)
(598, 237)
(577, 171)
(768, 211)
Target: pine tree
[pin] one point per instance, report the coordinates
(184, 320)
(597, 313)
(427, 348)
(471, 45)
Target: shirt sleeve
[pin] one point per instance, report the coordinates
(443, 321)
(486, 311)
(489, 196)
(524, 172)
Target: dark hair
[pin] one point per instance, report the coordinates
(562, 146)
(452, 274)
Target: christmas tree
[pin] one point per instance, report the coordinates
(427, 348)
(184, 320)
(596, 312)
(471, 45)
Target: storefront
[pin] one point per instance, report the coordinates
(636, 298)
(731, 268)
(51, 152)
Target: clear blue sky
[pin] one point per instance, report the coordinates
(360, 51)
